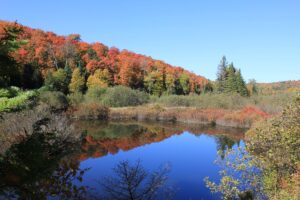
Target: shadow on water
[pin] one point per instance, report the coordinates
(40, 167)
(46, 166)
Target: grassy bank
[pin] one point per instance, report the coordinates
(122, 103)
(242, 118)
(271, 104)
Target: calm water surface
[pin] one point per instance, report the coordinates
(36, 169)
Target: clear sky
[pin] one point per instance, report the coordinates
(262, 37)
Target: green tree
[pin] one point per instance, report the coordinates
(9, 71)
(241, 85)
(222, 75)
(231, 80)
(57, 81)
(68, 72)
(170, 84)
(77, 82)
(154, 83)
(184, 81)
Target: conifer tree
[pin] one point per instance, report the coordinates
(241, 85)
(68, 72)
(230, 82)
(222, 75)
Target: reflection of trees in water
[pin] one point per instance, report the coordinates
(38, 167)
(133, 182)
(104, 138)
(225, 143)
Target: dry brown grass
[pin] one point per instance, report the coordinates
(243, 118)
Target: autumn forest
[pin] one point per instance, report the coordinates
(79, 120)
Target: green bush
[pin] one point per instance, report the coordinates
(75, 98)
(9, 92)
(56, 100)
(275, 143)
(121, 96)
(94, 94)
(17, 102)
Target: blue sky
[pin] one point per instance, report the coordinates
(260, 37)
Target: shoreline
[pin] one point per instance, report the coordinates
(243, 118)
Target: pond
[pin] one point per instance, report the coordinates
(172, 158)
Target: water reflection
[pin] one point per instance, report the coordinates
(109, 138)
(38, 168)
(44, 166)
(132, 182)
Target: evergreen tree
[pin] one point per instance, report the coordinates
(9, 71)
(241, 85)
(68, 72)
(222, 75)
(77, 82)
(230, 82)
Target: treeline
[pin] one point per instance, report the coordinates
(279, 87)
(30, 58)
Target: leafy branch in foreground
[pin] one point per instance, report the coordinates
(240, 178)
(269, 166)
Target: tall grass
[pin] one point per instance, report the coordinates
(267, 103)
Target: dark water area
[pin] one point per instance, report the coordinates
(43, 167)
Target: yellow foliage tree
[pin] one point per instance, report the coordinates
(101, 78)
(77, 82)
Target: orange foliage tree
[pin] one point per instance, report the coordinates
(47, 51)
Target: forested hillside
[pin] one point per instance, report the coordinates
(38, 55)
(279, 87)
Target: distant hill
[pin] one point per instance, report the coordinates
(279, 87)
(47, 51)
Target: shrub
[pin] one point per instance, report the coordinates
(56, 100)
(121, 96)
(174, 100)
(221, 101)
(91, 111)
(9, 92)
(75, 98)
(16, 103)
(275, 144)
(94, 94)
